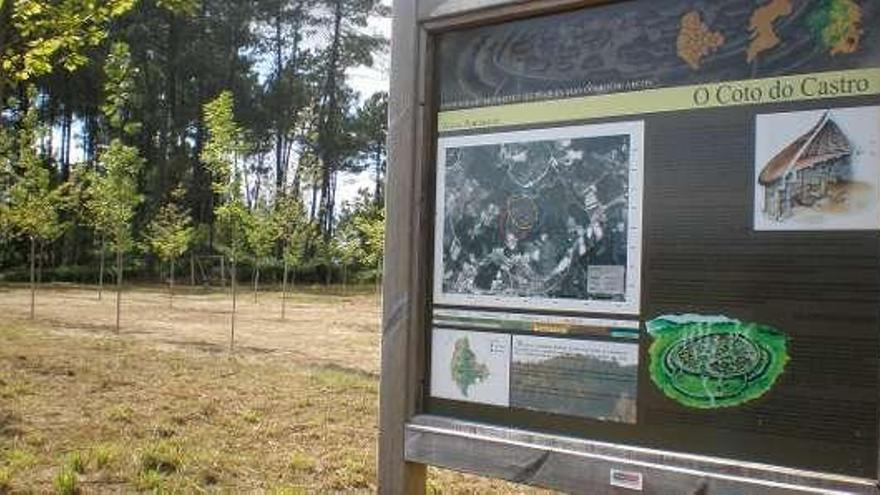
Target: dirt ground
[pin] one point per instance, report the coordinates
(321, 326)
(163, 407)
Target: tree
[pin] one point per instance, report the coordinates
(372, 129)
(7, 175)
(345, 250)
(372, 234)
(114, 195)
(170, 234)
(366, 222)
(219, 154)
(36, 36)
(33, 205)
(286, 63)
(348, 47)
(97, 219)
(294, 231)
(262, 235)
(284, 24)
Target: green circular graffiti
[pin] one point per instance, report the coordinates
(709, 362)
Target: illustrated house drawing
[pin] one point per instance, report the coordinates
(806, 170)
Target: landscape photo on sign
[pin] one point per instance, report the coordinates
(818, 170)
(595, 379)
(543, 219)
(470, 366)
(709, 362)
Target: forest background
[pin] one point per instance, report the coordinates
(212, 136)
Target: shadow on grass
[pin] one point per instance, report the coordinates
(218, 348)
(93, 328)
(332, 367)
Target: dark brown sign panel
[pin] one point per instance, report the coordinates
(657, 225)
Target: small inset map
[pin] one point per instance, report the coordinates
(761, 25)
(837, 25)
(465, 369)
(696, 40)
(470, 366)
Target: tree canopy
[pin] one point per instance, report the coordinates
(247, 107)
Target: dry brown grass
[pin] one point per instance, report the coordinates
(164, 407)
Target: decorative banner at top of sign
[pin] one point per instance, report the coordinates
(708, 362)
(804, 87)
(638, 45)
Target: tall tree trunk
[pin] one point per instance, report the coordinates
(377, 196)
(33, 277)
(171, 286)
(101, 269)
(5, 33)
(379, 280)
(41, 258)
(234, 275)
(328, 131)
(284, 291)
(118, 287)
(169, 135)
(280, 166)
(256, 281)
(66, 138)
(90, 136)
(313, 207)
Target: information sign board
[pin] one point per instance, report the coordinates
(651, 237)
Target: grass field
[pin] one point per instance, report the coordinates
(164, 407)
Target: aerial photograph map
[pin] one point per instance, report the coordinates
(544, 221)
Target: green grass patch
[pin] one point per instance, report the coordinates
(149, 481)
(66, 482)
(11, 388)
(75, 462)
(17, 459)
(252, 416)
(104, 455)
(121, 413)
(5, 479)
(302, 462)
(345, 381)
(163, 457)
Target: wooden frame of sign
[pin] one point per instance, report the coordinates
(410, 440)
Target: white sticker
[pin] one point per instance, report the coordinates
(627, 479)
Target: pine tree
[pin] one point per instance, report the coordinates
(371, 127)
